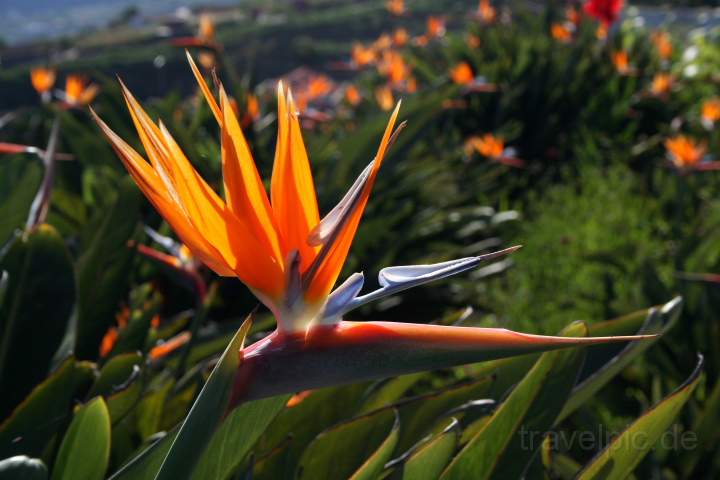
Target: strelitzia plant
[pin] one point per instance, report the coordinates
(290, 258)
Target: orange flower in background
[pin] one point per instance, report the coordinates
(352, 95)
(362, 55)
(710, 112)
(383, 42)
(411, 85)
(462, 74)
(108, 342)
(319, 86)
(169, 346)
(685, 152)
(277, 246)
(621, 62)
(601, 32)
(561, 32)
(42, 79)
(400, 37)
(393, 66)
(207, 60)
(384, 97)
(487, 145)
(661, 84)
(78, 92)
(435, 27)
(206, 27)
(486, 12)
(111, 336)
(395, 7)
(663, 44)
(252, 110)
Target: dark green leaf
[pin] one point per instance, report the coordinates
(507, 442)
(34, 422)
(356, 447)
(430, 459)
(102, 270)
(35, 314)
(622, 455)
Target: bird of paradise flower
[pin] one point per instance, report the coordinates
(290, 259)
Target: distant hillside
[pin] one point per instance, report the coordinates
(23, 21)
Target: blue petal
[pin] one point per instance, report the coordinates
(397, 279)
(342, 296)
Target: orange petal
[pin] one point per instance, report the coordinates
(198, 216)
(152, 186)
(205, 89)
(244, 190)
(292, 189)
(323, 279)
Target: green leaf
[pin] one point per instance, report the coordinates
(624, 453)
(658, 321)
(21, 467)
(417, 415)
(390, 391)
(116, 372)
(238, 433)
(14, 207)
(357, 448)
(290, 432)
(119, 384)
(85, 449)
(429, 460)
(35, 313)
(102, 270)
(509, 439)
(145, 465)
(206, 413)
(34, 422)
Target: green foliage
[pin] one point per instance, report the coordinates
(593, 230)
(39, 298)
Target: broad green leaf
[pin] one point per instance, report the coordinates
(430, 459)
(238, 433)
(389, 392)
(240, 430)
(418, 415)
(85, 450)
(624, 453)
(290, 432)
(371, 467)
(102, 270)
(116, 372)
(658, 321)
(509, 439)
(22, 467)
(35, 313)
(14, 206)
(150, 409)
(705, 426)
(119, 382)
(34, 422)
(357, 448)
(145, 465)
